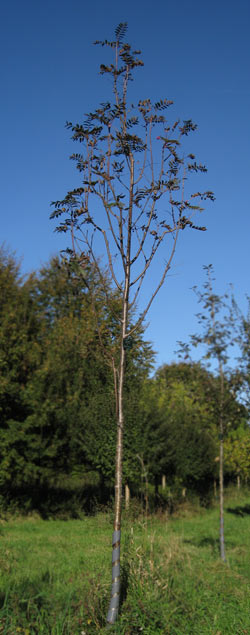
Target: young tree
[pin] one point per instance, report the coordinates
(132, 159)
(217, 337)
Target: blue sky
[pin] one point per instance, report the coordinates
(197, 54)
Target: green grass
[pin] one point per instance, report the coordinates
(55, 575)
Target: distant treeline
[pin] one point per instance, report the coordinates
(58, 334)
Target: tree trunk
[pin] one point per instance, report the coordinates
(222, 541)
(238, 481)
(116, 539)
(127, 496)
(146, 497)
(163, 481)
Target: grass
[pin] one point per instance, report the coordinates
(55, 575)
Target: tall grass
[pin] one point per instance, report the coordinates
(55, 575)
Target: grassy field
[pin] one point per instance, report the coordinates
(55, 575)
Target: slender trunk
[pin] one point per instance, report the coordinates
(163, 481)
(222, 540)
(221, 471)
(215, 489)
(146, 497)
(116, 538)
(127, 496)
(144, 477)
(238, 481)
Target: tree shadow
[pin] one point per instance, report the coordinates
(208, 541)
(124, 583)
(241, 510)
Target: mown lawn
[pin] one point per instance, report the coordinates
(55, 575)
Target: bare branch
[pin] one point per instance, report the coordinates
(166, 269)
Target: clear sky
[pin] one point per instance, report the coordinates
(196, 53)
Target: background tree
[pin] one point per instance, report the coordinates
(186, 425)
(242, 336)
(71, 393)
(237, 446)
(18, 354)
(185, 439)
(127, 168)
(237, 453)
(58, 407)
(57, 399)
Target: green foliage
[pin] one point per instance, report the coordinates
(241, 376)
(18, 355)
(58, 408)
(57, 399)
(179, 438)
(237, 452)
(184, 438)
